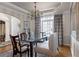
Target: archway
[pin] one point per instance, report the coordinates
(2, 31)
(11, 24)
(5, 19)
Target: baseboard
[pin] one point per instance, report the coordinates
(67, 45)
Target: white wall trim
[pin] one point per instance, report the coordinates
(16, 7)
(4, 18)
(67, 45)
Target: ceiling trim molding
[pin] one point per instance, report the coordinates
(51, 11)
(16, 7)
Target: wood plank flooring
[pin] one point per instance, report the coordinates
(64, 51)
(5, 46)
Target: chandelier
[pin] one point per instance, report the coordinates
(35, 10)
(35, 13)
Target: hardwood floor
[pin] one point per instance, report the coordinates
(64, 51)
(5, 46)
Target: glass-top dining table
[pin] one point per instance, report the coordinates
(32, 42)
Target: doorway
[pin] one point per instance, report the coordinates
(2, 31)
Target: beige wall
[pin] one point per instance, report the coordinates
(77, 31)
(66, 27)
(75, 28)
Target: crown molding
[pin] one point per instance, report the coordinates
(16, 7)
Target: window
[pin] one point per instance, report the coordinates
(47, 25)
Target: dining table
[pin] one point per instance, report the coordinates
(32, 42)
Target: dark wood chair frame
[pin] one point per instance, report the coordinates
(17, 46)
(23, 36)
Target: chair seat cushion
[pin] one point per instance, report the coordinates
(23, 49)
(23, 43)
(23, 46)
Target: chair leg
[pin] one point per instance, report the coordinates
(13, 54)
(20, 54)
(58, 49)
(28, 52)
(35, 54)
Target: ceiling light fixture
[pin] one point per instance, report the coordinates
(35, 13)
(35, 10)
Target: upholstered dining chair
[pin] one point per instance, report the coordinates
(23, 36)
(18, 47)
(48, 48)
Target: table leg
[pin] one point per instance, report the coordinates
(31, 49)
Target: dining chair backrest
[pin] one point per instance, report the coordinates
(14, 42)
(23, 36)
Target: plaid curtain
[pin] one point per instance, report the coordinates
(58, 27)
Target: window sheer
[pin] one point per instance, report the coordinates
(47, 25)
